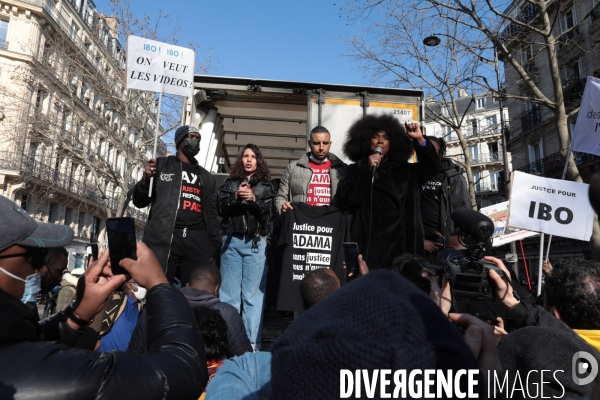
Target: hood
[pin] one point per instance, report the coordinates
(199, 298)
(18, 323)
(448, 165)
(69, 280)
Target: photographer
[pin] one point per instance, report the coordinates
(34, 365)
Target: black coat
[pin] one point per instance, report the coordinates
(455, 195)
(31, 368)
(396, 227)
(236, 333)
(165, 200)
(245, 217)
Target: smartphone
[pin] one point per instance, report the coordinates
(351, 256)
(121, 242)
(441, 240)
(94, 247)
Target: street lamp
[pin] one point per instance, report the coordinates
(433, 41)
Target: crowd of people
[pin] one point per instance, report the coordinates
(186, 320)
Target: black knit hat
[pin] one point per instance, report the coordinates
(182, 132)
(380, 321)
(539, 348)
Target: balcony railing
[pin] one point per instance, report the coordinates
(573, 91)
(35, 169)
(565, 39)
(486, 187)
(484, 158)
(596, 15)
(3, 44)
(531, 118)
(470, 133)
(526, 15)
(554, 164)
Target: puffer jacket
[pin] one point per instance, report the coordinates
(34, 367)
(165, 198)
(240, 217)
(296, 178)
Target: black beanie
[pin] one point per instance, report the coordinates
(182, 132)
(380, 321)
(539, 348)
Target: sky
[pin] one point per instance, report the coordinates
(297, 40)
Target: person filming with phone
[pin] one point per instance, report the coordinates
(49, 359)
(183, 227)
(382, 188)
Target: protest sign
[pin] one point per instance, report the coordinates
(498, 213)
(551, 206)
(159, 67)
(586, 135)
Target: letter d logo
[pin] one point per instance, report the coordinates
(579, 368)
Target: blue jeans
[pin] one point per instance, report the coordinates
(244, 280)
(245, 377)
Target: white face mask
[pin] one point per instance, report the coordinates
(140, 293)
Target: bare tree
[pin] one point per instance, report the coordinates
(483, 28)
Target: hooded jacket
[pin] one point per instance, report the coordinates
(455, 194)
(296, 178)
(165, 198)
(236, 333)
(34, 366)
(387, 213)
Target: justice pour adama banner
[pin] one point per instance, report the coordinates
(552, 206)
(503, 234)
(159, 67)
(586, 135)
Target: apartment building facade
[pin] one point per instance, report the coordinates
(482, 129)
(72, 138)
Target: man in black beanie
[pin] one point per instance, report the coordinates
(380, 322)
(183, 227)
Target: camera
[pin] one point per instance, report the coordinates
(466, 270)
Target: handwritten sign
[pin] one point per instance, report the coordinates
(159, 67)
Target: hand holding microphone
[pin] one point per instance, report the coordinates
(375, 158)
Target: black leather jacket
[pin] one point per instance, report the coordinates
(245, 217)
(32, 367)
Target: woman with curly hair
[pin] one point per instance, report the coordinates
(382, 190)
(245, 204)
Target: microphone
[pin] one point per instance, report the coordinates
(379, 151)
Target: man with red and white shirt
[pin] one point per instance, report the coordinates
(313, 179)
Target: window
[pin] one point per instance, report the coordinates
(476, 180)
(495, 99)
(573, 71)
(73, 32)
(474, 153)
(567, 19)
(536, 151)
(79, 260)
(492, 123)
(24, 201)
(474, 127)
(81, 224)
(33, 149)
(68, 216)
(480, 102)
(95, 228)
(3, 33)
(494, 179)
(53, 213)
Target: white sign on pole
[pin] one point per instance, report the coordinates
(551, 206)
(586, 135)
(159, 67)
(498, 213)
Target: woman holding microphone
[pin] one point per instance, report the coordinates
(245, 203)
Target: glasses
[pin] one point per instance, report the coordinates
(34, 256)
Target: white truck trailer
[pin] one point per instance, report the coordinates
(277, 116)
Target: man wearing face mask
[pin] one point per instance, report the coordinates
(183, 227)
(124, 318)
(55, 264)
